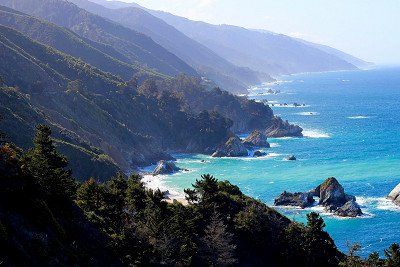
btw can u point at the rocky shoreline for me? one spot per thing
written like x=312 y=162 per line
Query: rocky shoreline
x=331 y=196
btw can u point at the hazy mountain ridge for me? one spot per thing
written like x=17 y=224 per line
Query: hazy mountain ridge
x=69 y=42
x=205 y=61
x=271 y=53
x=136 y=47
x=260 y=50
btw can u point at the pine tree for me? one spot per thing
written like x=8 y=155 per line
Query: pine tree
x=219 y=249
x=48 y=167
x=392 y=256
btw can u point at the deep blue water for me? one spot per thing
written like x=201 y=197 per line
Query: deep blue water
x=352 y=127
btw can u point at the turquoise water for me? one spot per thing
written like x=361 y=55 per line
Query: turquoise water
x=351 y=122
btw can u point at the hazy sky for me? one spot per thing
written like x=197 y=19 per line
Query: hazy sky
x=369 y=29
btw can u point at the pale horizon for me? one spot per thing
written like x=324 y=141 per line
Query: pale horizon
x=365 y=29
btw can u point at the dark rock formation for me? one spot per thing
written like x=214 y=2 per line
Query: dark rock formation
x=394 y=195
x=299 y=199
x=331 y=196
x=349 y=209
x=280 y=128
x=291 y=157
x=256 y=139
x=258 y=153
x=165 y=167
x=232 y=148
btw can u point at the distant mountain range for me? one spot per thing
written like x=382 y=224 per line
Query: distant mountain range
x=259 y=50
x=133 y=47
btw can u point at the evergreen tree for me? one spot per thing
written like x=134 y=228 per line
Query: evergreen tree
x=48 y=167
x=219 y=248
x=392 y=256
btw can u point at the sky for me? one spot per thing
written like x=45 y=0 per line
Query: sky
x=368 y=29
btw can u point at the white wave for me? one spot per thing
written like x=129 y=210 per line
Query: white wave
x=380 y=203
x=273 y=155
x=315 y=134
x=159 y=182
x=272 y=145
x=289 y=106
x=359 y=117
x=308 y=113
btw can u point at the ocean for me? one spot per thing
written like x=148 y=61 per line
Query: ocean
x=351 y=122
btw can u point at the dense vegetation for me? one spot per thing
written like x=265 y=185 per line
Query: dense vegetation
x=46 y=218
x=107 y=119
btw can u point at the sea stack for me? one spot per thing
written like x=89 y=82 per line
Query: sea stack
x=331 y=196
x=280 y=128
x=232 y=148
x=256 y=139
x=394 y=195
x=165 y=167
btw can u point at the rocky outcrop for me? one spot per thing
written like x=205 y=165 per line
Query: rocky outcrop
x=165 y=167
x=331 y=196
x=280 y=128
x=394 y=195
x=349 y=209
x=298 y=199
x=291 y=157
x=232 y=148
x=256 y=139
x=258 y=153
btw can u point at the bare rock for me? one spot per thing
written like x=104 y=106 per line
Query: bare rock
x=394 y=195
x=291 y=157
x=256 y=139
x=280 y=128
x=232 y=148
x=165 y=167
x=298 y=199
x=349 y=209
x=258 y=153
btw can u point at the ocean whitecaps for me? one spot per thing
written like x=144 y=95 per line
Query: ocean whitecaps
x=272 y=145
x=315 y=134
x=358 y=117
x=289 y=106
x=380 y=203
x=307 y=113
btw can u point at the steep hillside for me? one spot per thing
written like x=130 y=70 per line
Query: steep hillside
x=270 y=53
x=359 y=63
x=205 y=61
x=96 y=54
x=18 y=121
x=135 y=47
x=260 y=50
x=101 y=109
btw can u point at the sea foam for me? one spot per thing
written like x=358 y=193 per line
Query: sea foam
x=307 y=113
x=359 y=117
x=315 y=134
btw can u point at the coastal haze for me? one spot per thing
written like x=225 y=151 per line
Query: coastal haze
x=113 y=112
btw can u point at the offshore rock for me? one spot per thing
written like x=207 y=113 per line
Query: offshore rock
x=394 y=195
x=232 y=148
x=258 y=153
x=165 y=167
x=291 y=157
x=331 y=196
x=280 y=128
x=256 y=139
x=349 y=209
x=298 y=199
